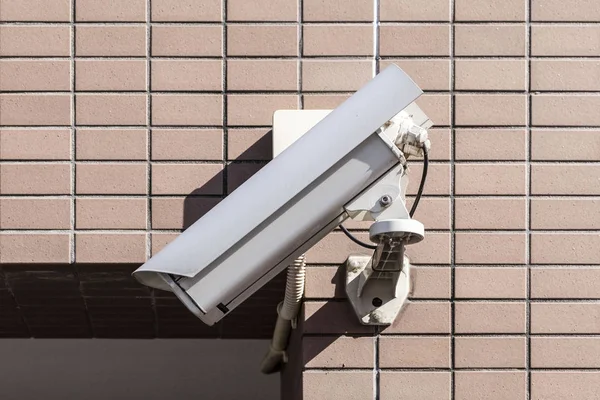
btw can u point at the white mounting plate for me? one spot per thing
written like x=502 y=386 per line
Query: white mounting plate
x=392 y=297
x=290 y=125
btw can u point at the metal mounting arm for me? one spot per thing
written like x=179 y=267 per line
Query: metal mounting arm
x=378 y=285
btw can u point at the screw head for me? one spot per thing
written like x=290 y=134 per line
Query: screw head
x=385 y=200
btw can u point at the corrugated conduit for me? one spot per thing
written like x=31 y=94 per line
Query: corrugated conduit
x=287 y=312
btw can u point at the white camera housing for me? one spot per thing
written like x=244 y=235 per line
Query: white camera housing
x=288 y=206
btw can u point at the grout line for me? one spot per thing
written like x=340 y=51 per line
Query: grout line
x=225 y=136
x=300 y=53
x=432 y=231
x=248 y=92
x=149 y=135
x=440 y=369
x=376 y=24
x=470 y=57
x=473 y=335
x=580 y=23
x=149 y=155
x=193 y=127
x=224 y=52
x=73 y=149
x=528 y=144
x=438 y=162
x=547 y=230
x=452 y=203
x=74 y=166
x=376 y=344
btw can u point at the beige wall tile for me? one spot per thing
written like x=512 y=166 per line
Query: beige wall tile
x=249 y=144
x=429 y=74
x=497 y=75
x=187 y=109
x=490 y=40
x=422 y=318
x=335 y=75
x=111 y=144
x=419 y=10
x=490 y=283
x=342 y=40
x=112 y=10
x=111 y=178
x=342 y=352
x=187 y=144
x=557 y=318
x=349 y=385
x=565 y=282
x=490 y=248
x=490 y=10
x=415 y=385
x=490 y=213
x=490 y=179
x=492 y=385
x=34 y=248
x=490 y=352
x=110 y=248
x=262 y=75
x=187 y=75
x=565 y=110
x=565 y=352
x=491 y=109
x=430 y=282
x=560 y=179
x=262 y=10
x=35 y=144
x=414 y=352
x=414 y=40
x=337 y=10
x=121 y=75
x=111 y=109
x=34 y=40
x=557 y=144
x=565 y=40
x=565 y=213
x=22 y=213
x=110 y=213
x=36 y=10
x=187 y=40
x=565 y=10
x=35 y=179
x=556 y=385
x=490 y=144
x=567 y=75
x=256 y=109
x=35 y=109
x=33 y=75
x=184 y=179
x=262 y=40
x=179 y=212
x=565 y=248
x=187 y=11
x=490 y=317
x=110 y=41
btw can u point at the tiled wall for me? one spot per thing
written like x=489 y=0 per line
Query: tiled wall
x=123 y=121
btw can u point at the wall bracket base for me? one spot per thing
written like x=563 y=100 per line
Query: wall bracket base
x=377 y=297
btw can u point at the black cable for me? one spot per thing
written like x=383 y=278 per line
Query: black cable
x=422 y=184
x=412 y=209
x=357 y=241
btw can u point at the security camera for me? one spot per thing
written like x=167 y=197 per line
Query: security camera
x=350 y=164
